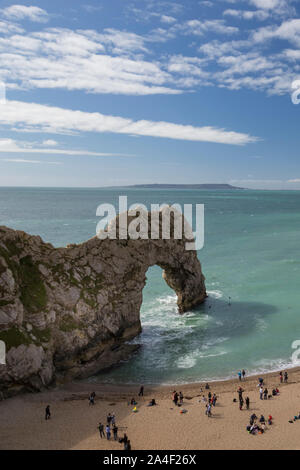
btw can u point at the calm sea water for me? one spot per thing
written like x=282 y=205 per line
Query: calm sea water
x=251 y=254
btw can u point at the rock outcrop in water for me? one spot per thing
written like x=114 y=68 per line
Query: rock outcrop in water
x=68 y=312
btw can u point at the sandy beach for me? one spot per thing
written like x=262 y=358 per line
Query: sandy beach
x=73 y=424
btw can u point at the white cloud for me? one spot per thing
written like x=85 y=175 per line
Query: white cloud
x=13 y=146
x=7 y=28
x=167 y=19
x=20 y=12
x=75 y=60
x=198 y=27
x=37 y=117
x=260 y=15
x=23 y=160
x=49 y=143
x=278 y=5
x=289 y=30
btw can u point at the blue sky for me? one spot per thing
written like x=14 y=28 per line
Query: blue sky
x=122 y=92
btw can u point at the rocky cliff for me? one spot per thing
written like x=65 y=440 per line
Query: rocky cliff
x=67 y=312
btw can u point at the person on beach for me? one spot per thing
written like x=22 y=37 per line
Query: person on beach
x=241 y=403
x=262 y=419
x=152 y=402
x=107 y=429
x=101 y=430
x=175 y=398
x=47 y=413
x=247 y=403
x=285 y=377
x=261 y=392
x=281 y=377
x=240 y=375
x=124 y=439
x=113 y=419
x=91 y=399
x=208 y=410
x=206 y=386
x=253 y=418
x=133 y=402
x=214 y=399
x=240 y=392
x=266 y=394
x=108 y=419
x=127 y=445
x=270 y=420
x=115 y=432
x=180 y=398
x=141 y=392
x=243 y=373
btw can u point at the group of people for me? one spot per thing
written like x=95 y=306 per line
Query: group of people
x=177 y=398
x=210 y=401
x=112 y=428
x=283 y=377
x=241 y=374
x=258 y=426
x=240 y=392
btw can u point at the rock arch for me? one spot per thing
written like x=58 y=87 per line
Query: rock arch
x=67 y=312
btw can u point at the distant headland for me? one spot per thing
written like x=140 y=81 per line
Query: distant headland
x=184 y=186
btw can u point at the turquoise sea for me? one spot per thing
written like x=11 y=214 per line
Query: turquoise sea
x=251 y=254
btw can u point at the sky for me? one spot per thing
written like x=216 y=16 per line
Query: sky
x=121 y=92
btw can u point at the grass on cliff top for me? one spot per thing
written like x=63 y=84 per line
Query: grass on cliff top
x=33 y=292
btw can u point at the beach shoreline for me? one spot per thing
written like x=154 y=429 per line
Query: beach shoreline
x=73 y=424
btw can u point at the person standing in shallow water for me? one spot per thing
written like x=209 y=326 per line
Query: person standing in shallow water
x=243 y=373
x=47 y=413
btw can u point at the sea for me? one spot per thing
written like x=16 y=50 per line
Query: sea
x=251 y=261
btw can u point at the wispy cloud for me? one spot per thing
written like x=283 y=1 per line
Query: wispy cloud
x=114 y=61
x=23 y=160
x=21 y=12
x=41 y=118
x=13 y=146
x=75 y=60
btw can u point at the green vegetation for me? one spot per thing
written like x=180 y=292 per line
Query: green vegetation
x=69 y=324
x=33 y=291
x=14 y=338
x=3 y=303
x=42 y=336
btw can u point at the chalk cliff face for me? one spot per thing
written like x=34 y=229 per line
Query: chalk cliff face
x=67 y=312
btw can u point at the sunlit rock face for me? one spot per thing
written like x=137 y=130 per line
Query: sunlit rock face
x=68 y=312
